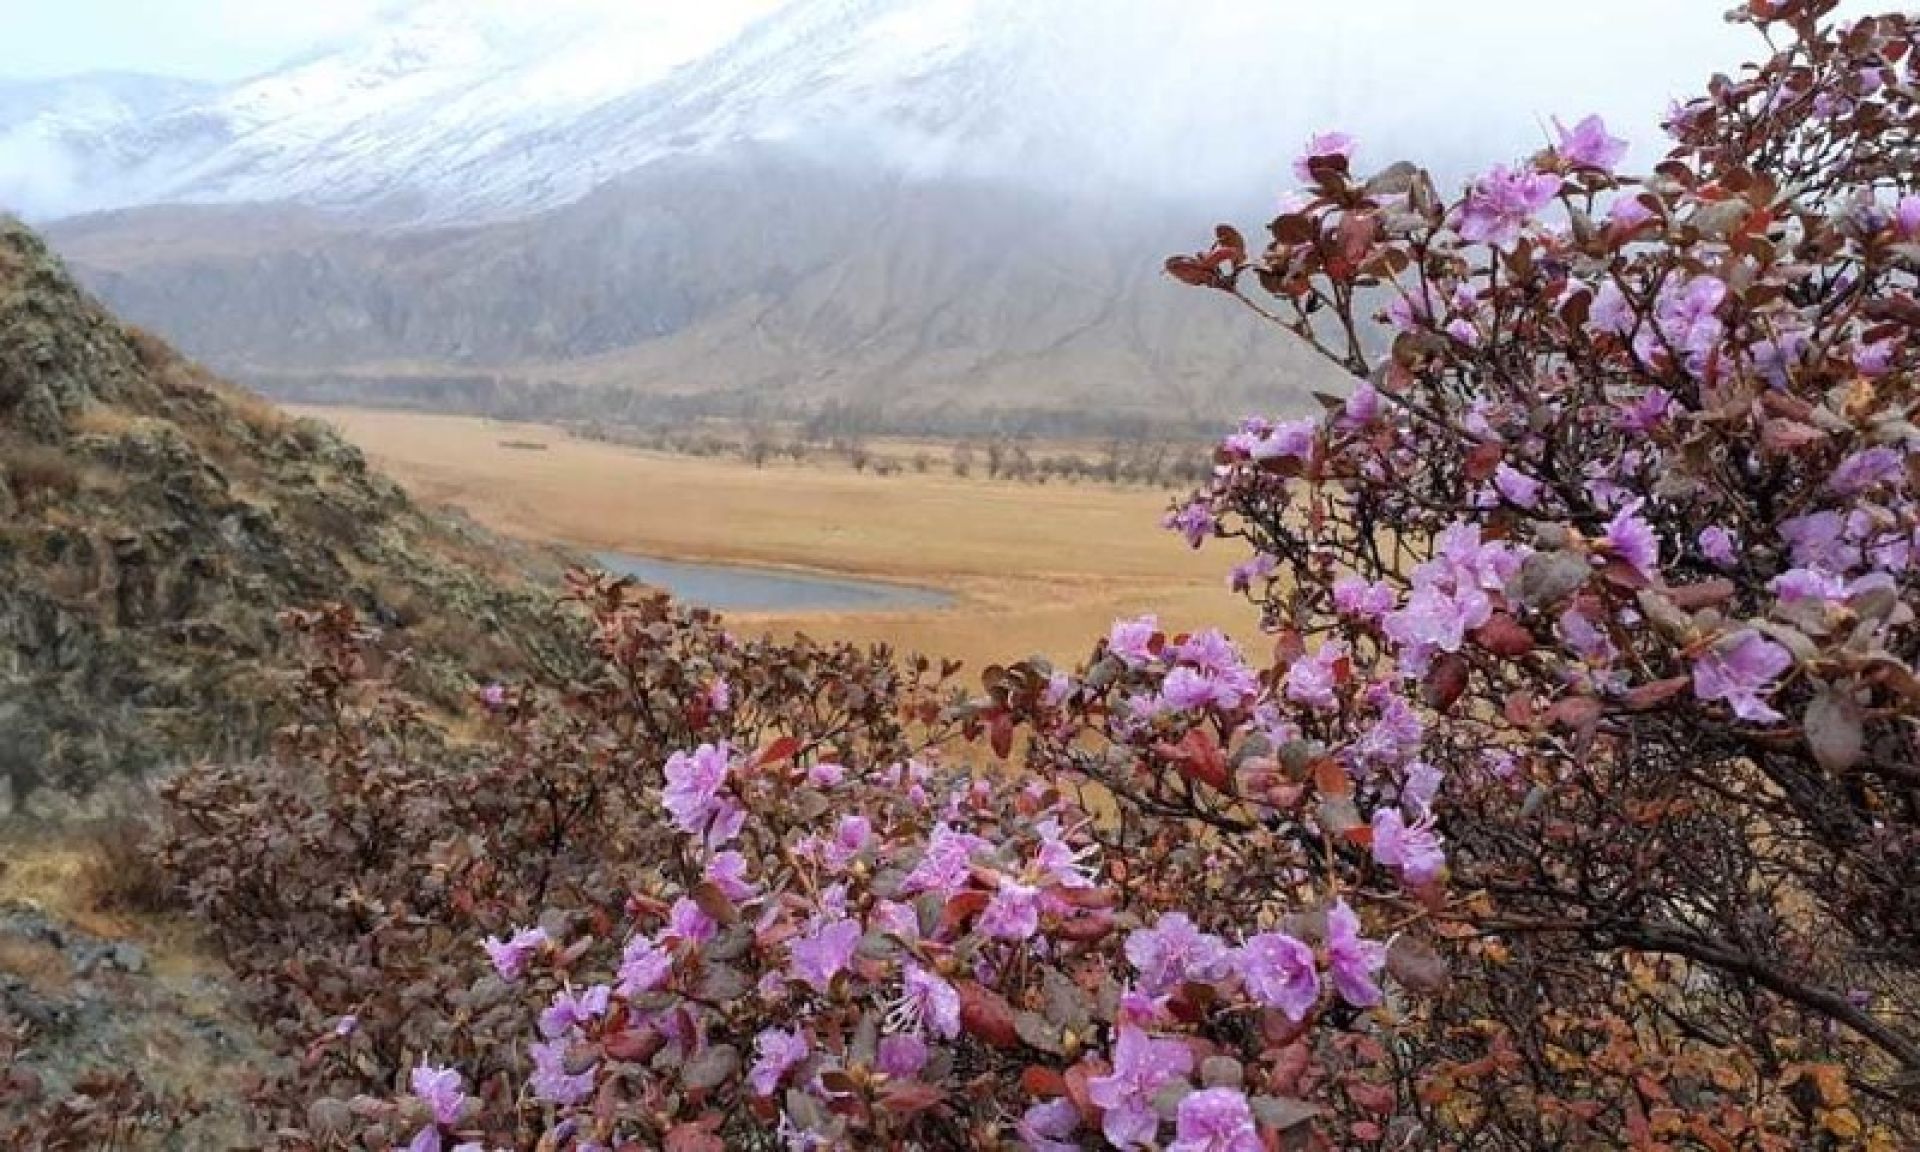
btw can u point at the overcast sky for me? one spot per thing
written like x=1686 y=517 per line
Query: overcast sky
x=228 y=39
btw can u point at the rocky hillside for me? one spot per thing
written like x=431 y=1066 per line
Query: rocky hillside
x=153 y=523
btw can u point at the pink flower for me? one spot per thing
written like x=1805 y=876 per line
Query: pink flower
x=1352 y=960
x=1422 y=785
x=1190 y=690
x=1906 y=217
x=1585 y=639
x=1431 y=620
x=1628 y=212
x=902 y=1057
x=1411 y=850
x=1501 y=204
x=1463 y=332
x=849 y=840
x=719 y=696
x=1141 y=1067
x=1353 y=596
x=1798 y=584
x=1313 y=679
x=1866 y=469
x=1632 y=539
x=693 y=787
x=1589 y=145
x=644 y=967
x=1174 y=952
x=1049 y=1126
x=1013 y=913
x=776 y=1054
x=551 y=1080
x=727 y=871
x=1717 y=545
x=1193 y=520
x=928 y=1001
x=947 y=866
x=1279 y=972
x=825 y=775
x=1362 y=406
x=687 y=921
x=494 y=696
x=1324 y=147
x=824 y=953
x=1740 y=670
x=1129 y=639
x=1516 y=487
x=439 y=1089
x=1249 y=572
x=1394 y=738
x=1215 y=1120
x=510 y=957
x=571 y=1010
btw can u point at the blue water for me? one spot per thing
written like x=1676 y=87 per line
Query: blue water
x=731 y=589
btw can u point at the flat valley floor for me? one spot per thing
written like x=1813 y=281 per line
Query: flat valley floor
x=1034 y=569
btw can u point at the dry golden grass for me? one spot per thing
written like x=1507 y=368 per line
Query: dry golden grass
x=1037 y=570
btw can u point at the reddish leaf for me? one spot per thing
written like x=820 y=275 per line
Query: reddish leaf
x=1641 y=697
x=1198 y=757
x=908 y=1097
x=960 y=910
x=1692 y=597
x=784 y=748
x=1446 y=682
x=986 y=1015
x=1000 y=734
x=1042 y=1082
x=1504 y=636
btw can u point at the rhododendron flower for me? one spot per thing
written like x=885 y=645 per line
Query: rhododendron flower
x=824 y=953
x=1194 y=521
x=1215 y=1120
x=1463 y=332
x=1313 y=679
x=1412 y=851
x=494 y=696
x=688 y=921
x=1322 y=146
x=1422 y=785
x=1363 y=405
x=1059 y=689
x=903 y=1056
x=570 y=1010
x=1516 y=487
x=1129 y=639
x=928 y=1001
x=719 y=696
x=1353 y=961
x=644 y=967
x=1589 y=144
x=1190 y=690
x=693 y=786
x=1247 y=573
x=1174 y=952
x=1502 y=203
x=727 y=871
x=1866 y=469
x=1798 y=584
x=439 y=1088
x=826 y=774
x=1279 y=972
x=776 y=1054
x=551 y=1080
x=1740 y=670
x=1431 y=621
x=1060 y=862
x=947 y=866
x=1013 y=913
x=1875 y=359
x=1688 y=317
x=1611 y=311
x=1049 y=1126
x=1628 y=212
x=510 y=957
x=1353 y=596
x=1585 y=639
x=1718 y=546
x=849 y=840
x=1393 y=739
x=1141 y=1066
x=1632 y=539
x=1906 y=217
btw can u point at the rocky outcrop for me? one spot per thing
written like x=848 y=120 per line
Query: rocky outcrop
x=154 y=521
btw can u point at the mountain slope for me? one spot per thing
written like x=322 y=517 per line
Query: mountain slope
x=689 y=281
x=154 y=521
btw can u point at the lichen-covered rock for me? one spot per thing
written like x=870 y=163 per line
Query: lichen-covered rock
x=154 y=521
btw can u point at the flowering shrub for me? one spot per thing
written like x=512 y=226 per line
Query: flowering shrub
x=1573 y=807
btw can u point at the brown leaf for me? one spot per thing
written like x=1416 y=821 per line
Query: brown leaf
x=1835 y=730
x=1504 y=636
x=1446 y=682
x=1641 y=697
x=1416 y=965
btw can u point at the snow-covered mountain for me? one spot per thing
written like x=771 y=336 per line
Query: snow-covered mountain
x=813 y=199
